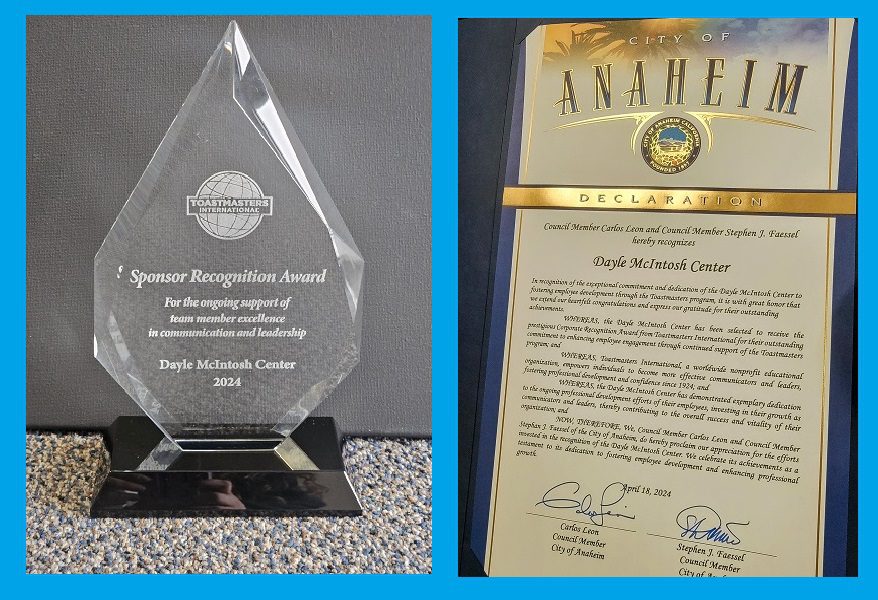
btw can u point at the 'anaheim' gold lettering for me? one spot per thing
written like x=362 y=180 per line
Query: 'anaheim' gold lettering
x=568 y=95
x=784 y=96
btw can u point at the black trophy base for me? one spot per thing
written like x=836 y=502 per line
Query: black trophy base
x=232 y=481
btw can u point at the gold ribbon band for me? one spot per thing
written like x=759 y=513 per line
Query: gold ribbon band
x=735 y=201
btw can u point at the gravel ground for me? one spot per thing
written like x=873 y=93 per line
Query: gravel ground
x=392 y=478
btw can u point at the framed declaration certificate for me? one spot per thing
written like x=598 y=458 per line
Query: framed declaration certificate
x=668 y=382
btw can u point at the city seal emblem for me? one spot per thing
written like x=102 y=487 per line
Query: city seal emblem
x=229 y=205
x=670 y=145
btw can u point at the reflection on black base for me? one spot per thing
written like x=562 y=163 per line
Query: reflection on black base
x=252 y=482
x=233 y=493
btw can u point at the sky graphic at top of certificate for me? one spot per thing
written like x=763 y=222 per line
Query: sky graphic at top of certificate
x=766 y=96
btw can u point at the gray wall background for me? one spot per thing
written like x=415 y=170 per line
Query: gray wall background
x=102 y=91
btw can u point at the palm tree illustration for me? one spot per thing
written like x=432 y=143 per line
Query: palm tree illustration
x=610 y=39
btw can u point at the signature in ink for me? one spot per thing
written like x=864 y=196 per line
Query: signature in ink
x=704 y=524
x=564 y=496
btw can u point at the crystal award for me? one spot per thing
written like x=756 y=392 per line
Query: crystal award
x=228 y=305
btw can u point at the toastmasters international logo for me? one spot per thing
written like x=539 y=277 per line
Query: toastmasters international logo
x=229 y=205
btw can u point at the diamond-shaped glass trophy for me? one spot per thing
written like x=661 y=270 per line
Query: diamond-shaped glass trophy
x=228 y=304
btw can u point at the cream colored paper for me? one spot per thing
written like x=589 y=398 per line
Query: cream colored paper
x=619 y=393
